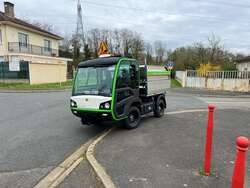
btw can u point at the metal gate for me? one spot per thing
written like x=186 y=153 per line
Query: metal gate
x=6 y=74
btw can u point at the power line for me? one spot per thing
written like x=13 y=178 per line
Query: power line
x=152 y=28
x=223 y=3
x=210 y=18
x=162 y=12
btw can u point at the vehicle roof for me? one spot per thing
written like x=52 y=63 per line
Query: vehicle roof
x=100 y=61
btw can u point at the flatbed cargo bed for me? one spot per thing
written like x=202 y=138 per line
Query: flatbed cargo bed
x=158 y=85
x=153 y=82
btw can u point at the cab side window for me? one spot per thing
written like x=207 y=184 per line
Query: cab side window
x=134 y=76
x=123 y=79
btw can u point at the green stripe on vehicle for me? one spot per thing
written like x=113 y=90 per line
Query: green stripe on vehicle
x=113 y=88
x=90 y=110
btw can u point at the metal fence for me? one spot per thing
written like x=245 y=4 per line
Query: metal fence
x=220 y=74
x=5 y=73
x=31 y=49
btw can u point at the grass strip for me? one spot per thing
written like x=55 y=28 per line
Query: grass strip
x=27 y=86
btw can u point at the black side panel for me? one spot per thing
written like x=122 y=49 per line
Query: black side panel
x=147 y=108
x=125 y=97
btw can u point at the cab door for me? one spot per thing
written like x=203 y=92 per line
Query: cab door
x=127 y=87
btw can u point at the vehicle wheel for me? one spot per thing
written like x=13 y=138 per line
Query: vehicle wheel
x=133 y=119
x=159 y=110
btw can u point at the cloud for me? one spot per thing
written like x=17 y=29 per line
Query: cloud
x=177 y=23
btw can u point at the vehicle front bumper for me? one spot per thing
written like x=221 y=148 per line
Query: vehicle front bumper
x=93 y=115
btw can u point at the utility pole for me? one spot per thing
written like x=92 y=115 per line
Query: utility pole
x=79 y=37
x=79 y=30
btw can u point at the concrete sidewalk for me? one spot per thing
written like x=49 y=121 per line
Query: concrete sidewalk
x=208 y=93
x=82 y=177
x=169 y=152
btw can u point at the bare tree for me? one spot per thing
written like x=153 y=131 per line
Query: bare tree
x=137 y=46
x=43 y=25
x=149 y=52
x=117 y=41
x=159 y=52
x=66 y=43
x=215 y=48
x=126 y=37
x=94 y=39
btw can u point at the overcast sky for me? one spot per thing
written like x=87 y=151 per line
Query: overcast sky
x=175 y=22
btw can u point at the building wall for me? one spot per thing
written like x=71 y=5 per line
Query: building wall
x=10 y=34
x=243 y=66
x=181 y=77
x=42 y=69
x=47 y=73
x=218 y=80
x=3 y=44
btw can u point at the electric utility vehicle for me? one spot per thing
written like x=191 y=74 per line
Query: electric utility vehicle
x=118 y=89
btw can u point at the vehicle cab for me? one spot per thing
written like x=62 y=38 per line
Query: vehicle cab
x=104 y=88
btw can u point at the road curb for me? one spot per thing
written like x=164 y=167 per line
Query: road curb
x=246 y=95
x=97 y=167
x=59 y=173
x=33 y=91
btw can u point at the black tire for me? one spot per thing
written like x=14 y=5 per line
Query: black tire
x=133 y=119
x=160 y=108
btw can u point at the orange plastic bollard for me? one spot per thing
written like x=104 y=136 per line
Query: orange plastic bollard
x=239 y=165
x=209 y=139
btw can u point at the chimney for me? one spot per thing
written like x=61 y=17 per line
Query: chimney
x=9 y=9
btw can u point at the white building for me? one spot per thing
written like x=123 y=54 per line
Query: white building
x=243 y=64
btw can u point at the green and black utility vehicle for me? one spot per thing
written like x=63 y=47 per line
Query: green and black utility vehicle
x=117 y=89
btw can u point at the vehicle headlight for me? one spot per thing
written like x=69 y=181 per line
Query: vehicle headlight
x=106 y=105
x=73 y=104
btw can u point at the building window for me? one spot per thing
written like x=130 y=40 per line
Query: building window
x=23 y=39
x=47 y=45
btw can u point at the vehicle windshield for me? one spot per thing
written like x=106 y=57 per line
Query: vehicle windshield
x=94 y=81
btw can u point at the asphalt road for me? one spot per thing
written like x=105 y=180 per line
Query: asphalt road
x=183 y=100
x=169 y=151
x=37 y=132
x=177 y=101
